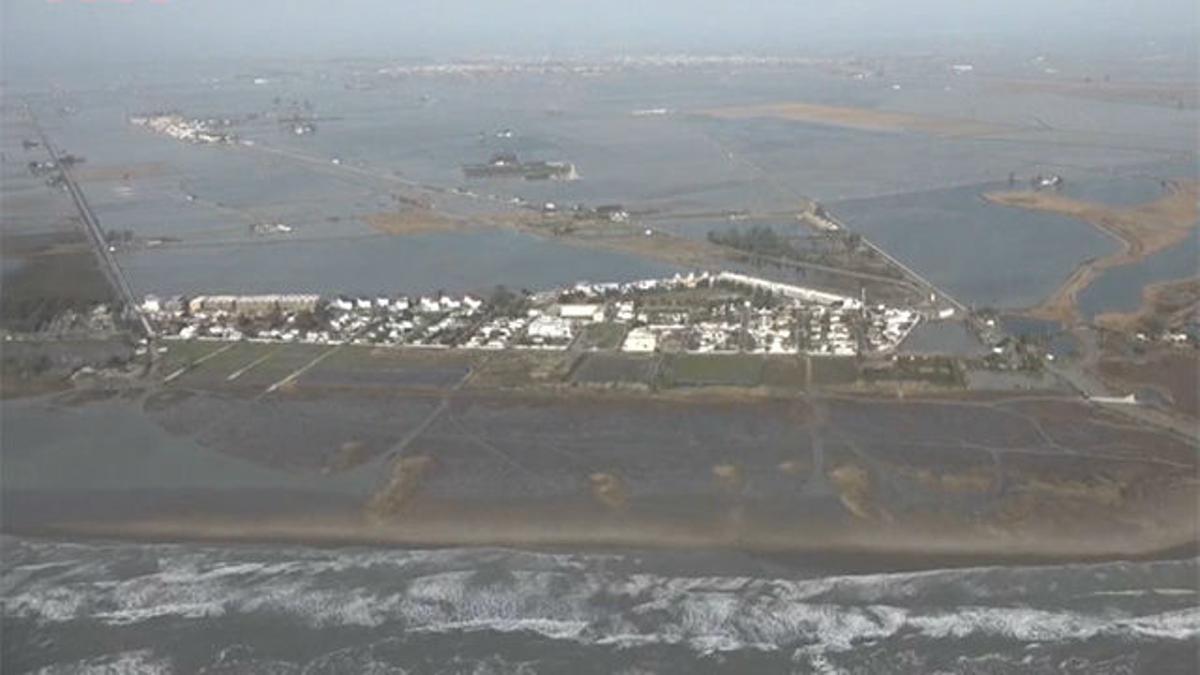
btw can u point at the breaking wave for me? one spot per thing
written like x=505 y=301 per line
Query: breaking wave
x=590 y=600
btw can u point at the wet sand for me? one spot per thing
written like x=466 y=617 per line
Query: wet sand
x=321 y=520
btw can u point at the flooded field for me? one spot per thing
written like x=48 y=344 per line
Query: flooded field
x=983 y=254
x=242 y=431
x=456 y=262
x=407 y=137
x=677 y=513
x=1120 y=289
x=943 y=337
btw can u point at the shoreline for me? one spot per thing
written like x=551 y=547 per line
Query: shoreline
x=1151 y=301
x=1143 y=230
x=844 y=559
x=325 y=520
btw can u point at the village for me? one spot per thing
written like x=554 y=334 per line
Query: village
x=186 y=129
x=702 y=312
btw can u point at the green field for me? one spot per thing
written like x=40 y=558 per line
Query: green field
x=253 y=365
x=214 y=366
x=182 y=353
x=372 y=357
x=936 y=370
x=512 y=369
x=734 y=370
x=606 y=336
x=834 y=370
x=787 y=372
x=614 y=369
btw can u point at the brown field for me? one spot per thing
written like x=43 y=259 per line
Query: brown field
x=413 y=221
x=858 y=118
x=1143 y=230
x=1171 y=371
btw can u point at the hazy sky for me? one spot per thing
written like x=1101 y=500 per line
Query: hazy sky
x=66 y=31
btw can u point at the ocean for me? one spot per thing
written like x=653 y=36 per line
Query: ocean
x=164 y=608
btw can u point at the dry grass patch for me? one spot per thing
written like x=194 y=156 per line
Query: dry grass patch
x=413 y=221
x=858 y=118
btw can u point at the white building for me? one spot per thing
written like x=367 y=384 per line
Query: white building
x=587 y=312
x=549 y=328
x=640 y=340
x=790 y=291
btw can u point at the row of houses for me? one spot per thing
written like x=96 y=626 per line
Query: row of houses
x=726 y=315
x=247 y=305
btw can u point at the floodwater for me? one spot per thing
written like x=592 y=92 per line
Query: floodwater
x=1115 y=190
x=951 y=338
x=407 y=130
x=1120 y=289
x=78 y=606
x=50 y=445
x=984 y=255
x=454 y=262
x=1052 y=336
x=162 y=607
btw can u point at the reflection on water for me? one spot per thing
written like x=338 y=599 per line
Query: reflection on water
x=1120 y=288
x=1117 y=190
x=454 y=262
x=1049 y=334
x=113 y=446
x=985 y=255
x=943 y=337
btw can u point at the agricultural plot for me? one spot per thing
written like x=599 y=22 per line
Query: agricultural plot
x=733 y=370
x=615 y=369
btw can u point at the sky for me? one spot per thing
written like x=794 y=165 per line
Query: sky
x=62 y=32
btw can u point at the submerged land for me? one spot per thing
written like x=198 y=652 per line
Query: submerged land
x=859 y=118
x=442 y=448
x=257 y=327
x=1142 y=229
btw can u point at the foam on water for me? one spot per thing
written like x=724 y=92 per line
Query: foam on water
x=142 y=662
x=574 y=598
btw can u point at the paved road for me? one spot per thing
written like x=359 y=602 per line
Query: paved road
x=96 y=235
x=910 y=272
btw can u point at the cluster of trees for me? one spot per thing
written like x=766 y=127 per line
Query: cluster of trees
x=760 y=240
x=305 y=320
x=33 y=314
x=504 y=302
x=761 y=298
